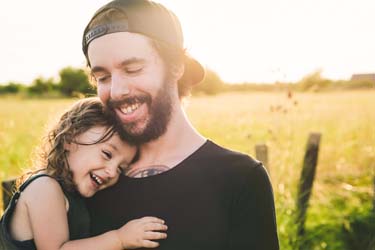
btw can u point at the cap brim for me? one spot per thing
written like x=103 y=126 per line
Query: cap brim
x=194 y=71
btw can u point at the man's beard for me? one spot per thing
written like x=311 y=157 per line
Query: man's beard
x=159 y=115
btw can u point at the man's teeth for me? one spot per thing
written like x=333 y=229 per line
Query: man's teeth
x=97 y=179
x=127 y=109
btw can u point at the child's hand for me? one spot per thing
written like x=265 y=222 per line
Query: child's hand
x=140 y=233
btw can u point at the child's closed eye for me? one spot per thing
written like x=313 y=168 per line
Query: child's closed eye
x=107 y=155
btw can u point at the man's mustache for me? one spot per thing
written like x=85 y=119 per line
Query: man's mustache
x=113 y=104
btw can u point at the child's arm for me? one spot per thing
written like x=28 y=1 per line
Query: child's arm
x=47 y=213
x=134 y=234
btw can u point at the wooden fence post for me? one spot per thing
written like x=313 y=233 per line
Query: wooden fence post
x=306 y=180
x=261 y=153
x=7 y=190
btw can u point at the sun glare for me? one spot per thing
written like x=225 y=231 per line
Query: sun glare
x=243 y=41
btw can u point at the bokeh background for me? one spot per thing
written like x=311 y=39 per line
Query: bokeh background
x=276 y=72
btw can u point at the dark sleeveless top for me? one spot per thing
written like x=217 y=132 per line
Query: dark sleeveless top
x=78 y=219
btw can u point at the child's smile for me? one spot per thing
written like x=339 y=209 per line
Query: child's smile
x=96 y=166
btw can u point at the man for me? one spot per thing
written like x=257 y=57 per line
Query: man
x=209 y=197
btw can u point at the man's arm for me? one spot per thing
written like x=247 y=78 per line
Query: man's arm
x=253 y=224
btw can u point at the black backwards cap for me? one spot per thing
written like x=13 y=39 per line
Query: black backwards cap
x=147 y=18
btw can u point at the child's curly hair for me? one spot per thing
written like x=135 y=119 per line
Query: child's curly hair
x=82 y=116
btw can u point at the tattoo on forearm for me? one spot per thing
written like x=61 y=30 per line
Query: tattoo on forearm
x=146 y=171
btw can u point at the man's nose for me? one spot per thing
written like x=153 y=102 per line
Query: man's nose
x=119 y=87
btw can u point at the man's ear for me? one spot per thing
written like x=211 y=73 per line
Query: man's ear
x=178 y=71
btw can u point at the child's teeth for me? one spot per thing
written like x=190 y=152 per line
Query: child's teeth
x=97 y=179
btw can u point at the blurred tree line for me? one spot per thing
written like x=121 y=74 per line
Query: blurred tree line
x=75 y=82
x=313 y=82
x=72 y=82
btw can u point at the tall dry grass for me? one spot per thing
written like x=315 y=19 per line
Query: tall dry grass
x=238 y=121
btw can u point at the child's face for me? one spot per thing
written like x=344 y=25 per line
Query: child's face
x=97 y=166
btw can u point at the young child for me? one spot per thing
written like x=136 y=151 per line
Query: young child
x=85 y=154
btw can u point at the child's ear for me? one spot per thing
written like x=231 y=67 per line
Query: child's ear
x=68 y=146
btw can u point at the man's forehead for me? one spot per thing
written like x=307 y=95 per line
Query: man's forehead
x=122 y=64
x=119 y=48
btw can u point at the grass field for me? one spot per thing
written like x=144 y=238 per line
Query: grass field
x=345 y=170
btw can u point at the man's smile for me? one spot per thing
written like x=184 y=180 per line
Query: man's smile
x=129 y=108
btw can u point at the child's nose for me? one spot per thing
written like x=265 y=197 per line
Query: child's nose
x=111 y=171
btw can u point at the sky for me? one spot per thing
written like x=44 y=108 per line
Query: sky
x=241 y=40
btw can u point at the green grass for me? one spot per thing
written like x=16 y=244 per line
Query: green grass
x=22 y=124
x=343 y=185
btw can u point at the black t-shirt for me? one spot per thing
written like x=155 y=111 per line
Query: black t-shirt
x=214 y=199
